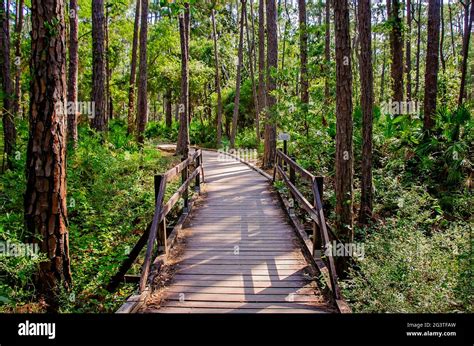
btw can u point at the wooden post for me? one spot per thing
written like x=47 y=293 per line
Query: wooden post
x=317 y=238
x=198 y=177
x=320 y=182
x=157 y=180
x=161 y=238
x=184 y=177
x=293 y=180
x=285 y=151
x=277 y=160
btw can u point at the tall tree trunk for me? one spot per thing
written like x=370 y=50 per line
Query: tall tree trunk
x=107 y=65
x=45 y=197
x=285 y=35
x=469 y=15
x=432 y=63
x=73 y=72
x=99 y=120
x=408 y=50
x=182 y=147
x=168 y=109
x=251 y=44
x=252 y=22
x=366 y=101
x=396 y=49
x=218 y=79
x=262 y=103
x=382 y=76
x=272 y=65
x=303 y=54
x=344 y=151
x=133 y=73
x=327 y=52
x=451 y=29
x=142 y=107
x=9 y=131
x=441 y=43
x=18 y=58
x=235 y=115
x=418 y=49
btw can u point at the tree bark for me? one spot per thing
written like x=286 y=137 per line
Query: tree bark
x=451 y=30
x=133 y=72
x=9 y=130
x=45 y=197
x=272 y=65
x=240 y=57
x=251 y=44
x=73 y=72
x=261 y=58
x=327 y=52
x=18 y=58
x=418 y=48
x=168 y=109
x=252 y=22
x=344 y=151
x=218 y=79
x=182 y=147
x=408 y=50
x=303 y=53
x=468 y=18
x=441 y=42
x=142 y=106
x=396 y=49
x=108 y=72
x=432 y=64
x=99 y=120
x=366 y=101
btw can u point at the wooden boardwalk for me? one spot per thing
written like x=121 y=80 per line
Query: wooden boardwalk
x=241 y=254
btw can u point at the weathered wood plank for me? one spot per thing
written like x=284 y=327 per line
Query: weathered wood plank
x=250 y=298
x=242 y=290
x=240 y=283
x=183 y=310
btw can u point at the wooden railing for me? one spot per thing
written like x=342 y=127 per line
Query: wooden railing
x=322 y=236
x=156 y=232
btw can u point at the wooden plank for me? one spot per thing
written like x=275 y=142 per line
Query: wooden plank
x=249 y=305
x=240 y=266
x=240 y=261
x=251 y=298
x=231 y=271
x=240 y=283
x=238 y=277
x=183 y=310
x=242 y=255
x=242 y=290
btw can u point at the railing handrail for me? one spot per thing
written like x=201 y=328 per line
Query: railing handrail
x=162 y=210
x=314 y=210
